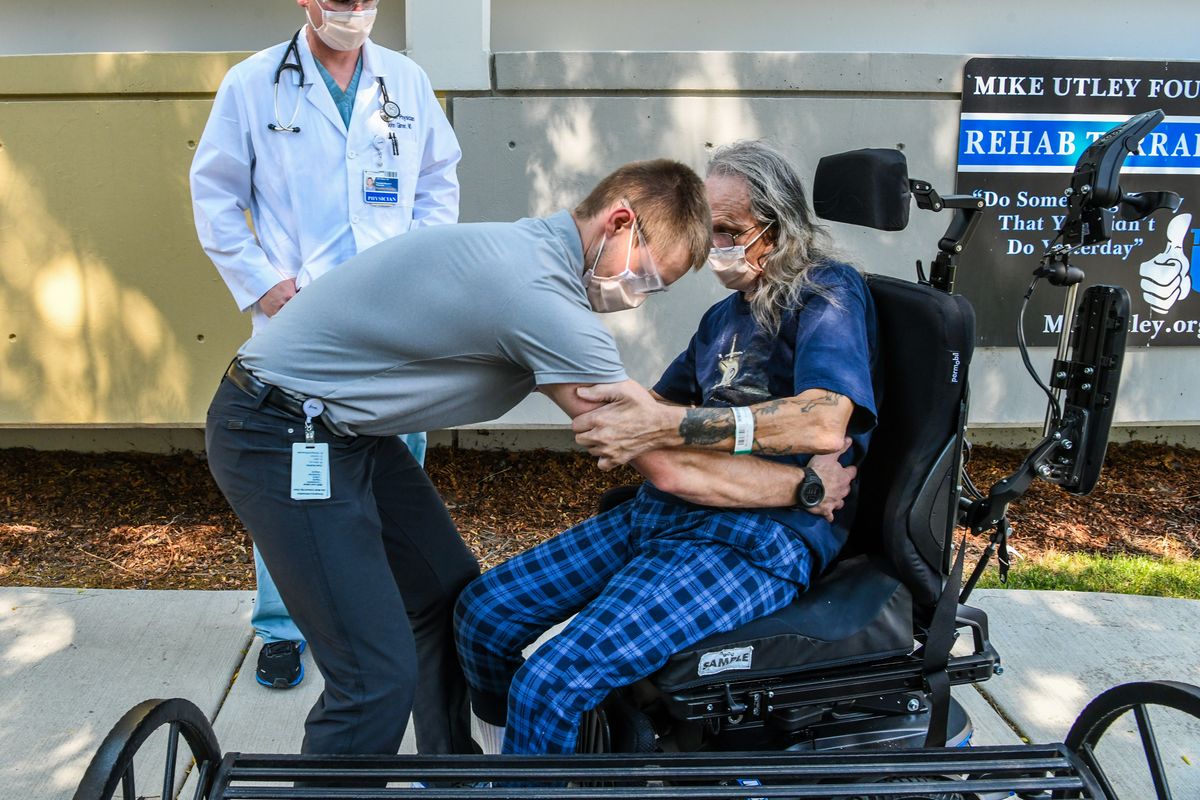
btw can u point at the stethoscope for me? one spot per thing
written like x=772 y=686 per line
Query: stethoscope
x=292 y=48
x=389 y=109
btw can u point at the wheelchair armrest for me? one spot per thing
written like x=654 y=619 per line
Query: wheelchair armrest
x=977 y=621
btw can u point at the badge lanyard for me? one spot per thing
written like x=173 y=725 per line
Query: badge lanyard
x=310 y=459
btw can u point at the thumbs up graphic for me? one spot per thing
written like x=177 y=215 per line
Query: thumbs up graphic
x=1166 y=278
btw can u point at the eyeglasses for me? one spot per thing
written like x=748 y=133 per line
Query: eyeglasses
x=642 y=276
x=723 y=239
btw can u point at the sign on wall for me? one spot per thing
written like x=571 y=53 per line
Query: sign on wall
x=1024 y=124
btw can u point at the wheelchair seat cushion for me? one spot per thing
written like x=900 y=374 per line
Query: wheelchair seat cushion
x=857 y=612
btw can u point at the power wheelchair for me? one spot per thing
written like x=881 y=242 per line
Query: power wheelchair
x=846 y=692
x=863 y=658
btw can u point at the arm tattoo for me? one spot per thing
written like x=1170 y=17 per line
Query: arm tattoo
x=706 y=425
x=768 y=408
x=768 y=449
x=830 y=399
x=773 y=407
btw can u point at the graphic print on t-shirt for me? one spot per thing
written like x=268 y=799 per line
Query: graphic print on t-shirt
x=740 y=375
x=728 y=364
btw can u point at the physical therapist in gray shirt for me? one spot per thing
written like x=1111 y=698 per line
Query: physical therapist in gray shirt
x=443 y=326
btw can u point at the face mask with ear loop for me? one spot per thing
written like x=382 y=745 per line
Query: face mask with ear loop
x=345 y=30
x=629 y=289
x=732 y=268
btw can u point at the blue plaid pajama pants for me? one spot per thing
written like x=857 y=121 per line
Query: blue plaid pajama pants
x=644 y=580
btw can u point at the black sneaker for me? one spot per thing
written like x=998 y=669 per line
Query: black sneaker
x=279 y=665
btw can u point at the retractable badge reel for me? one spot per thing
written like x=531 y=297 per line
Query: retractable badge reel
x=310 y=459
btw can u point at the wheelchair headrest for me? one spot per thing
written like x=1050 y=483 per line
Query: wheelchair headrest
x=863 y=187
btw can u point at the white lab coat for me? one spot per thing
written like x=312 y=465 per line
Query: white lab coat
x=304 y=190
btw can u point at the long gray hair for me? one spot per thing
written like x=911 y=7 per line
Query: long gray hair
x=800 y=243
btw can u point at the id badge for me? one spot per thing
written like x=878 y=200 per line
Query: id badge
x=381 y=188
x=310 y=471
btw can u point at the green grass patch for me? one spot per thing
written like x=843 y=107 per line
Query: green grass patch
x=1081 y=572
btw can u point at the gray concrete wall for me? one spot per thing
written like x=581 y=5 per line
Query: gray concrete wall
x=1157 y=29
x=1101 y=28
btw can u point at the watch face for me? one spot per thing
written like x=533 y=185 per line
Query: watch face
x=811 y=494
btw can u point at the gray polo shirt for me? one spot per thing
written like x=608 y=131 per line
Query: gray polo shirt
x=442 y=326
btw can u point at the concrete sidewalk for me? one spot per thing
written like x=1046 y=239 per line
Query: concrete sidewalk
x=73 y=661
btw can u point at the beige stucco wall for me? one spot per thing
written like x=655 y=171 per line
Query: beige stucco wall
x=109 y=311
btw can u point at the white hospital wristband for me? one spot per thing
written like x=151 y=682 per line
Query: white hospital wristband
x=743 y=437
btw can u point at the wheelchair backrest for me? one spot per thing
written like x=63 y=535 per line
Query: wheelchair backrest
x=908 y=484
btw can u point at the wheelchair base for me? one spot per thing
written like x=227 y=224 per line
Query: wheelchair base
x=837 y=730
x=907 y=731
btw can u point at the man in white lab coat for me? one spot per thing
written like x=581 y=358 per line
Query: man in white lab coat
x=332 y=144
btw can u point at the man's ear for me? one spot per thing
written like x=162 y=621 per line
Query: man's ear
x=618 y=218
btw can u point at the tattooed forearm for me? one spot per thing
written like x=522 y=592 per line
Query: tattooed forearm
x=702 y=427
x=706 y=425
x=830 y=399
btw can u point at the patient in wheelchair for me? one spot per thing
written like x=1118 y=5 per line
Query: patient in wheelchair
x=781 y=369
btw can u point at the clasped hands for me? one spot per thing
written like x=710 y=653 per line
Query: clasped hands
x=629 y=422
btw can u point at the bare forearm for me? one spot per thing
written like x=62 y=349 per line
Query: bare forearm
x=720 y=479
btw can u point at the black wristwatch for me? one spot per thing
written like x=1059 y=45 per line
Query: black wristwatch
x=809 y=491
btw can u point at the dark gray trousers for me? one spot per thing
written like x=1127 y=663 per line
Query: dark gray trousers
x=369 y=575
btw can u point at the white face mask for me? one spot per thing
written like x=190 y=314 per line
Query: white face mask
x=732 y=268
x=629 y=289
x=611 y=293
x=345 y=30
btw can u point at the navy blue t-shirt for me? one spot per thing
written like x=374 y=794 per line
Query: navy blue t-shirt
x=731 y=361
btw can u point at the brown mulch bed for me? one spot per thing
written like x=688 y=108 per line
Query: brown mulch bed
x=158 y=521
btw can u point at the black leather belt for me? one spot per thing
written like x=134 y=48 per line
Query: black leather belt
x=275 y=397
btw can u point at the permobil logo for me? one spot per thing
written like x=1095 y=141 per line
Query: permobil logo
x=955 y=363
x=724 y=660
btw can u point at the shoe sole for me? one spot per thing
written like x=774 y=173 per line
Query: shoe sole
x=282 y=684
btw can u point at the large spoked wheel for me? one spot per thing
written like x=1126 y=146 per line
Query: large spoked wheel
x=1087 y=734
x=112 y=766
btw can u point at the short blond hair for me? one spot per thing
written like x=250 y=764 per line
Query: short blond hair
x=670 y=203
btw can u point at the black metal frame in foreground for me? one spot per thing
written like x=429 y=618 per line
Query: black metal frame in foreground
x=936 y=772
x=1068 y=771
